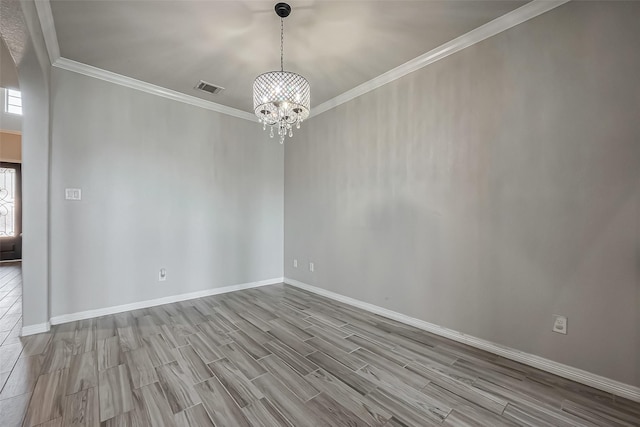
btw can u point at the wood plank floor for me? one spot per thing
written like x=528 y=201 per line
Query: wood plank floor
x=272 y=356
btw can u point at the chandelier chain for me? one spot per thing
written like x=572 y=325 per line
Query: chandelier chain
x=281 y=44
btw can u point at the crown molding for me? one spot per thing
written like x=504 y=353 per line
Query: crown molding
x=119 y=79
x=45 y=16
x=498 y=25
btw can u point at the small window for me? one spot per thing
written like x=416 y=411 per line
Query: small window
x=13 y=102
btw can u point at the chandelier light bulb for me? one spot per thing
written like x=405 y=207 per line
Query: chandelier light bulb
x=281 y=98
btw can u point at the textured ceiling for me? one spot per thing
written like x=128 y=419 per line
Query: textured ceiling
x=335 y=45
x=12 y=44
x=8 y=72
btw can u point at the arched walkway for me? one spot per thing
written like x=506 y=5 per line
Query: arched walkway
x=21 y=32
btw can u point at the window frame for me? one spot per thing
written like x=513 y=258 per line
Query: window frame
x=12 y=94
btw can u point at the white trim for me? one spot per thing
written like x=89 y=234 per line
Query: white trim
x=89 y=314
x=596 y=381
x=45 y=16
x=119 y=79
x=498 y=25
x=35 y=329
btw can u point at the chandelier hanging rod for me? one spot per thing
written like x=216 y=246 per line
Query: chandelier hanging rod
x=282 y=10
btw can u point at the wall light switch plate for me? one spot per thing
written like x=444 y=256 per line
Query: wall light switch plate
x=72 y=194
x=295 y=263
x=162 y=275
x=560 y=324
x=311 y=267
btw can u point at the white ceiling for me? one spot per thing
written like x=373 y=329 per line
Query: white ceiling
x=336 y=45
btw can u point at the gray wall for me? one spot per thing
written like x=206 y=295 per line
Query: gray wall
x=20 y=29
x=489 y=191
x=164 y=185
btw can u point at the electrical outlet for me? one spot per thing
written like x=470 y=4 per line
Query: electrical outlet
x=311 y=267
x=162 y=275
x=73 y=194
x=295 y=263
x=560 y=324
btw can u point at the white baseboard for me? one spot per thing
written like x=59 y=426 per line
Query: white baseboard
x=89 y=314
x=35 y=329
x=578 y=375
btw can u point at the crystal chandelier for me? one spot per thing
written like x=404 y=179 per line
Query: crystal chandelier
x=281 y=99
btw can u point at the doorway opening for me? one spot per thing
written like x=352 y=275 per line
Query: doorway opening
x=10 y=201
x=10 y=172
x=10 y=211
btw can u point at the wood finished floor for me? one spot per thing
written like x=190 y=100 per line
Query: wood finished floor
x=272 y=356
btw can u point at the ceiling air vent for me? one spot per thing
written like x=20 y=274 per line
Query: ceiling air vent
x=208 y=87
